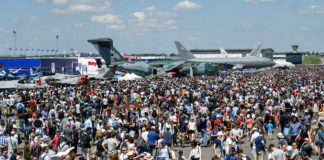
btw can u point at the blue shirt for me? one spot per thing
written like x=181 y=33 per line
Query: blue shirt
x=3 y=140
x=294 y=129
x=152 y=137
x=258 y=144
x=269 y=126
x=320 y=136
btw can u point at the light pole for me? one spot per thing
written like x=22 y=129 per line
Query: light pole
x=14 y=32
x=57 y=36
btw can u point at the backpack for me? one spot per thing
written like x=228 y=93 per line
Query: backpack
x=61 y=114
x=51 y=124
x=20 y=107
x=99 y=145
x=114 y=124
x=140 y=143
x=199 y=125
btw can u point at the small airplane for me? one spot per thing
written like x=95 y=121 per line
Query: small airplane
x=9 y=75
x=24 y=83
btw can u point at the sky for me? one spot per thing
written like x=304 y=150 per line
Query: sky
x=152 y=26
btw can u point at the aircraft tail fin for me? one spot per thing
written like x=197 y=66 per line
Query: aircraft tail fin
x=107 y=50
x=99 y=63
x=183 y=52
x=257 y=50
x=223 y=52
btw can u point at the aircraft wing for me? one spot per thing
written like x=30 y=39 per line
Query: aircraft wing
x=171 y=66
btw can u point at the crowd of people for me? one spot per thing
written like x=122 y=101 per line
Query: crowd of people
x=158 y=118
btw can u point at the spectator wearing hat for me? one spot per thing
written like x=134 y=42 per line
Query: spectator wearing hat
x=192 y=127
x=167 y=136
x=270 y=129
x=164 y=150
x=307 y=148
x=282 y=142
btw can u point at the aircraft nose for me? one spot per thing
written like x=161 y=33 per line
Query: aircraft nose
x=273 y=63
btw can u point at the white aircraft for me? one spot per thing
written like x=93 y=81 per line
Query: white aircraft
x=283 y=64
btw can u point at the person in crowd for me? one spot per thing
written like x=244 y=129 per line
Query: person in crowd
x=195 y=153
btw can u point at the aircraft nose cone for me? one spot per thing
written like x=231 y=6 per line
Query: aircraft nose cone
x=273 y=63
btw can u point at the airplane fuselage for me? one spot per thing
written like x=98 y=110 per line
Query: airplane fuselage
x=246 y=62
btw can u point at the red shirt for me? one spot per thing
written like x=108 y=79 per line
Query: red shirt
x=55 y=142
x=217 y=122
x=32 y=104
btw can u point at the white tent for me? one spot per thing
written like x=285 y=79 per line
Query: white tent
x=130 y=76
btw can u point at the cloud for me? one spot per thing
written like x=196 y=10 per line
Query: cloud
x=314 y=9
x=304 y=29
x=57 y=11
x=194 y=39
x=246 y=25
x=166 y=14
x=108 y=18
x=257 y=1
x=55 y=30
x=3 y=30
x=150 y=8
x=60 y=1
x=169 y=22
x=79 y=25
x=81 y=8
x=152 y=20
x=33 y=18
x=115 y=27
x=41 y=1
x=140 y=15
x=76 y=6
x=173 y=27
x=186 y=5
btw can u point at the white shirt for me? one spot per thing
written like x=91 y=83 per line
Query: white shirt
x=227 y=143
x=123 y=156
x=88 y=123
x=192 y=125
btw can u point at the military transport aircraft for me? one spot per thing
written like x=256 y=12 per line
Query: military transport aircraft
x=253 y=60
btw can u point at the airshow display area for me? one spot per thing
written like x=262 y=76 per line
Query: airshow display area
x=82 y=65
